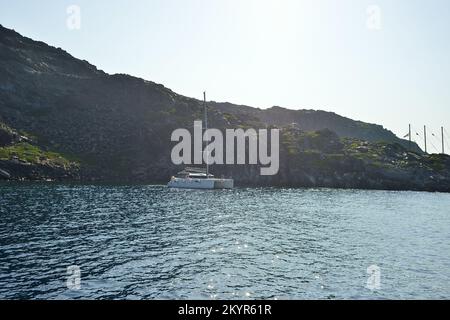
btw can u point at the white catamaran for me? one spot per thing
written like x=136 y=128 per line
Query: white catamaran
x=199 y=178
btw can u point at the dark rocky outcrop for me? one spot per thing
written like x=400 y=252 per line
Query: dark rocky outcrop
x=21 y=159
x=7 y=136
x=17 y=170
x=54 y=107
x=322 y=159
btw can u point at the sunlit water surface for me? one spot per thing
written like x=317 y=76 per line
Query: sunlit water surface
x=149 y=242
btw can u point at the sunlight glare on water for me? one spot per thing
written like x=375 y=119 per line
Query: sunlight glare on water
x=150 y=242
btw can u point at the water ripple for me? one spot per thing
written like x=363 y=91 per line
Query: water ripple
x=149 y=242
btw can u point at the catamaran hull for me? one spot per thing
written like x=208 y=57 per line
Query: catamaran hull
x=201 y=183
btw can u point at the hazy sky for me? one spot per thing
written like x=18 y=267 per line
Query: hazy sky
x=320 y=54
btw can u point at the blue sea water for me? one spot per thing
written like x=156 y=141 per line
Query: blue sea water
x=150 y=242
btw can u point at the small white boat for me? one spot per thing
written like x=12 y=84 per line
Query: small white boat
x=198 y=179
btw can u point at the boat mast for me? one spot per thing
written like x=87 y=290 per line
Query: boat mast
x=206 y=128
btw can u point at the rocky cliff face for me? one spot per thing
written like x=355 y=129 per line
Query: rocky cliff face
x=322 y=159
x=118 y=127
x=313 y=120
x=21 y=159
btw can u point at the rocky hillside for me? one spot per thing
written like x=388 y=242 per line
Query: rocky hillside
x=117 y=128
x=323 y=159
x=313 y=120
x=21 y=159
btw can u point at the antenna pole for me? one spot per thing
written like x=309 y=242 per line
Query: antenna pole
x=425 y=137
x=442 y=137
x=206 y=128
